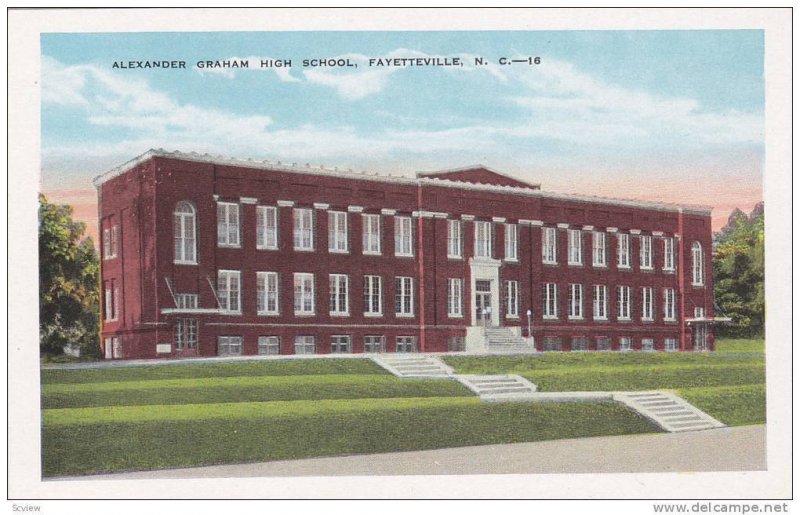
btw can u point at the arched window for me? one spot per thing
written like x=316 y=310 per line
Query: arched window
x=697 y=264
x=185 y=229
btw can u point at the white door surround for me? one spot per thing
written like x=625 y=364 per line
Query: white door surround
x=485 y=269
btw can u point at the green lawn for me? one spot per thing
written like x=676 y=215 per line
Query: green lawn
x=741 y=346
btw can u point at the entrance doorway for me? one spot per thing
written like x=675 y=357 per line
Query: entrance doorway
x=483 y=302
x=700 y=336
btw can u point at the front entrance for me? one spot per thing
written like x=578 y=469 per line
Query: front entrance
x=700 y=337
x=483 y=302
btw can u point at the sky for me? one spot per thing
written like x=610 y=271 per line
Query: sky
x=674 y=116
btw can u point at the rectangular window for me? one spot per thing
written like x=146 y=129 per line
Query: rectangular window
x=549 y=300
x=339 y=295
x=106 y=243
x=185 y=333
x=455 y=288
x=337 y=231
x=227 y=224
x=266 y=227
x=373 y=304
x=623 y=302
x=669 y=304
x=456 y=344
x=600 y=302
x=116 y=303
x=406 y=344
x=454 y=239
x=403 y=234
x=512 y=299
x=483 y=239
x=549 y=249
x=269 y=345
x=646 y=252
x=647 y=304
x=305 y=345
x=341 y=344
x=186 y=300
x=511 y=242
x=603 y=343
x=669 y=254
x=579 y=344
x=670 y=344
x=624 y=344
x=599 y=249
x=108 y=304
x=647 y=344
x=371 y=233
x=303 y=294
x=623 y=250
x=699 y=312
x=575 y=302
x=575 y=247
x=303 y=229
x=114 y=240
x=267 y=301
x=229 y=346
x=374 y=343
x=552 y=344
x=229 y=290
x=403 y=296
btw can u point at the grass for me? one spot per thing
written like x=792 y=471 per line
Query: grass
x=731 y=405
x=741 y=346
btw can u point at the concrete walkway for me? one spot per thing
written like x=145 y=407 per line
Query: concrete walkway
x=726 y=449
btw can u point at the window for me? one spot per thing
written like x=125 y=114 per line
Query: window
x=647 y=344
x=454 y=244
x=229 y=290
x=575 y=302
x=406 y=344
x=403 y=296
x=371 y=233
x=303 y=294
x=483 y=239
x=647 y=304
x=339 y=295
x=625 y=344
x=599 y=249
x=185 y=333
x=186 y=300
x=456 y=344
x=337 y=231
x=303 y=228
x=511 y=242
x=669 y=254
x=670 y=344
x=374 y=343
x=229 y=346
x=269 y=345
x=574 y=247
x=552 y=343
x=623 y=302
x=373 y=305
x=455 y=289
x=669 y=304
x=549 y=250
x=403 y=245
x=603 y=343
x=699 y=312
x=600 y=302
x=512 y=299
x=108 y=304
x=549 y=300
x=579 y=344
x=623 y=250
x=110 y=238
x=341 y=345
x=646 y=252
x=227 y=224
x=697 y=264
x=305 y=345
x=185 y=239
x=267 y=301
x=266 y=227
x=114 y=240
x=116 y=303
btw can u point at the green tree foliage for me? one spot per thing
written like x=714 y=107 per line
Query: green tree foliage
x=69 y=275
x=739 y=273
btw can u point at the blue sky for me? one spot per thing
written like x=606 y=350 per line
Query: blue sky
x=667 y=115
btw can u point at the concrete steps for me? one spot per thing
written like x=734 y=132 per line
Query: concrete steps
x=669 y=411
x=501 y=340
x=414 y=366
x=499 y=388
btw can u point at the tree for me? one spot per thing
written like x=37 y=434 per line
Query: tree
x=69 y=278
x=739 y=273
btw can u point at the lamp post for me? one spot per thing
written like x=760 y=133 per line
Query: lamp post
x=530 y=314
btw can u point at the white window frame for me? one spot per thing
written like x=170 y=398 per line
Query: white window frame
x=623 y=302
x=623 y=250
x=648 y=303
x=575 y=247
x=646 y=252
x=404 y=296
x=455 y=298
x=408 y=343
x=229 y=290
x=305 y=343
x=512 y=299
x=266 y=227
x=269 y=345
x=511 y=242
x=341 y=344
x=575 y=302
x=186 y=333
x=698 y=278
x=268 y=293
x=669 y=254
x=185 y=233
x=232 y=344
x=106 y=243
x=670 y=344
x=403 y=236
x=372 y=341
x=228 y=231
x=600 y=302
x=579 y=344
x=373 y=291
x=339 y=295
x=455 y=245
x=371 y=234
x=599 y=257
x=304 y=303
x=186 y=300
x=483 y=239
x=648 y=344
x=303 y=229
x=549 y=245
x=550 y=301
x=699 y=312
x=625 y=344
x=338 y=232
x=605 y=347
x=109 y=304
x=114 y=240
x=669 y=304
